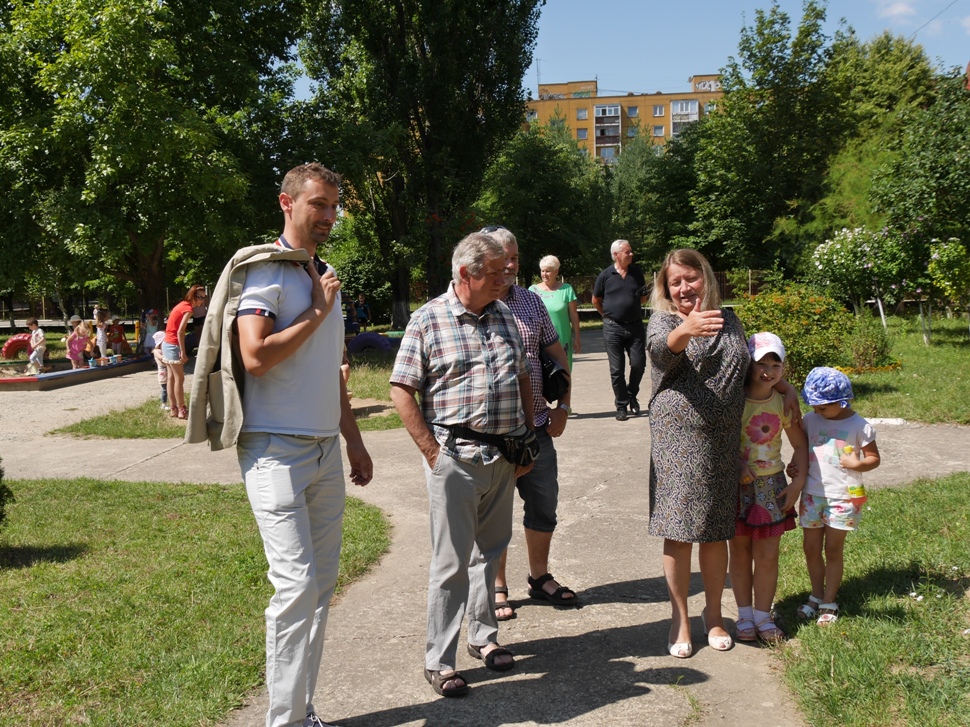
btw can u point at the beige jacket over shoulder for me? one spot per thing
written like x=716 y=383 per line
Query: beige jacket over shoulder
x=215 y=409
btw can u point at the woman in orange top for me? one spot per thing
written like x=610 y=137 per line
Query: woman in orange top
x=174 y=351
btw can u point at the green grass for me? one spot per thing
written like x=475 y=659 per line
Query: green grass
x=380 y=423
x=370 y=374
x=933 y=383
x=133 y=603
x=900 y=653
x=148 y=421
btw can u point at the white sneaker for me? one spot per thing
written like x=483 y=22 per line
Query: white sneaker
x=166 y=407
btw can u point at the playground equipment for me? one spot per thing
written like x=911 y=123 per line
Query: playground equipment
x=369 y=341
x=15 y=344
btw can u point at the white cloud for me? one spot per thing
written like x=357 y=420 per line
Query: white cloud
x=897 y=11
x=965 y=22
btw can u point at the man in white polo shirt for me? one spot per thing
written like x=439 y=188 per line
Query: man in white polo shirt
x=294 y=403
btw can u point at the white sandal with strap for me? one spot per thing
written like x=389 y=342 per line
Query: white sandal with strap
x=828 y=613
x=809 y=609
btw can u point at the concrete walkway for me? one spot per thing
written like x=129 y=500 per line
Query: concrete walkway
x=603 y=664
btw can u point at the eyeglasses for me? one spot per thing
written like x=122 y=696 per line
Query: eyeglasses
x=491 y=228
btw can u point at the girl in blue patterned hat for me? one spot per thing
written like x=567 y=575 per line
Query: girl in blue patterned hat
x=842 y=445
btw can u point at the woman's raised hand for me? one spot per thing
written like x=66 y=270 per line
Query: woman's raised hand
x=705 y=323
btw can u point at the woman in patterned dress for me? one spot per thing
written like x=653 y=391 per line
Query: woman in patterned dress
x=699 y=359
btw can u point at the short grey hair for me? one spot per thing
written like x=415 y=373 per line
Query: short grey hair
x=502 y=236
x=549 y=261
x=473 y=252
x=615 y=247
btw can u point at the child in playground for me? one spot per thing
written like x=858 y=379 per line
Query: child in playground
x=156 y=349
x=101 y=325
x=38 y=346
x=842 y=445
x=76 y=342
x=116 y=337
x=151 y=327
x=362 y=309
x=767 y=500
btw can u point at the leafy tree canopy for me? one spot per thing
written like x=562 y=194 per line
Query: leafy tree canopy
x=553 y=197
x=768 y=145
x=929 y=182
x=130 y=135
x=429 y=92
x=651 y=188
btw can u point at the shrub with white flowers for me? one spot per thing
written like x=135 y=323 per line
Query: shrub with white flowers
x=848 y=263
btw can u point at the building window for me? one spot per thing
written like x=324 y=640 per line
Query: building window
x=582 y=114
x=608 y=110
x=632 y=131
x=681 y=114
x=633 y=111
x=658 y=131
x=581 y=134
x=658 y=109
x=710 y=106
x=608 y=154
x=683 y=107
x=531 y=115
x=557 y=122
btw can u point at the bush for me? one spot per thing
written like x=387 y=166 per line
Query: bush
x=869 y=346
x=812 y=326
x=6 y=497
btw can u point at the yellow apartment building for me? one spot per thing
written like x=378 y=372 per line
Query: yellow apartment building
x=602 y=124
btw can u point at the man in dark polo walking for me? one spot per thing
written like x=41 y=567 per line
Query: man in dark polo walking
x=618 y=296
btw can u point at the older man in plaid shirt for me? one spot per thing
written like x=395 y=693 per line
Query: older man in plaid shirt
x=463 y=353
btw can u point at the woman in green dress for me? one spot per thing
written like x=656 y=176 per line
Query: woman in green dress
x=560 y=300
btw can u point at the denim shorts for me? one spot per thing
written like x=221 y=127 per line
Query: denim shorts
x=539 y=489
x=171 y=353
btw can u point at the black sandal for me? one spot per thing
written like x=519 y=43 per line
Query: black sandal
x=438 y=680
x=507 y=606
x=489 y=658
x=556 y=597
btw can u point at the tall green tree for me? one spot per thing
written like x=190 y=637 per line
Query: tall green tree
x=651 y=188
x=769 y=143
x=423 y=95
x=137 y=137
x=887 y=77
x=929 y=182
x=553 y=197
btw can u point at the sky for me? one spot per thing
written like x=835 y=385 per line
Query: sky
x=643 y=46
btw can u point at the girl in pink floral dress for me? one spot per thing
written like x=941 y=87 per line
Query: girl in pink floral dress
x=76 y=343
x=766 y=500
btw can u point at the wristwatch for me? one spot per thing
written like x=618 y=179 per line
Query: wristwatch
x=566 y=408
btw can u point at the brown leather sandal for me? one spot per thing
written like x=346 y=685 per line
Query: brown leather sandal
x=505 y=605
x=439 y=681
x=556 y=597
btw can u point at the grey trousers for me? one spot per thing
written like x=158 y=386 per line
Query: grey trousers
x=296 y=490
x=471 y=525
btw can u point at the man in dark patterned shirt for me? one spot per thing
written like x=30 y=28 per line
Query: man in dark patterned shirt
x=463 y=354
x=539 y=489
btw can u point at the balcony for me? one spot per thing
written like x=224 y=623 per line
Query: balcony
x=608 y=140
